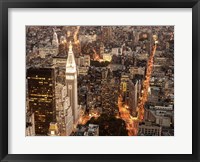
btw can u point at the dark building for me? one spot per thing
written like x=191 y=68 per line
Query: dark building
x=41 y=95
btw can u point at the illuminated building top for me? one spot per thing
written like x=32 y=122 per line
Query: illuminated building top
x=71 y=64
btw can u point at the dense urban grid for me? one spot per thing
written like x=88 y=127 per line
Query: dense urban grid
x=100 y=81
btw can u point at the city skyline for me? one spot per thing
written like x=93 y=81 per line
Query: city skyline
x=100 y=80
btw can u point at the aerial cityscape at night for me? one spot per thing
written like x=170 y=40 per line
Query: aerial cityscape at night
x=99 y=81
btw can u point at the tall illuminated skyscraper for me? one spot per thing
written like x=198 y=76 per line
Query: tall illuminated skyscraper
x=41 y=94
x=71 y=84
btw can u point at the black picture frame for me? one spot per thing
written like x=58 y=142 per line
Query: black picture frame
x=4 y=95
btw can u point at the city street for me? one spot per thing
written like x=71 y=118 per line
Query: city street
x=131 y=122
x=125 y=115
x=144 y=96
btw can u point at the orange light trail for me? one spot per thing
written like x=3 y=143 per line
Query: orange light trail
x=132 y=122
x=146 y=85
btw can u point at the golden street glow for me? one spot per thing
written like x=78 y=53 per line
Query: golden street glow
x=132 y=122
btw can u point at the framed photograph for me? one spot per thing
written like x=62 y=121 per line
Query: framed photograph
x=99 y=81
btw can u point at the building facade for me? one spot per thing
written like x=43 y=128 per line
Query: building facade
x=149 y=129
x=41 y=94
x=71 y=84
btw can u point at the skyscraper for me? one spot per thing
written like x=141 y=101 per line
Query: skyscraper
x=41 y=96
x=71 y=83
x=133 y=96
x=55 y=39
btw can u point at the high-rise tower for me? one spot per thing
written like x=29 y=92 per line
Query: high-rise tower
x=55 y=40
x=41 y=95
x=71 y=84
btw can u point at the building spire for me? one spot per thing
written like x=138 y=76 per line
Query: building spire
x=70 y=46
x=71 y=64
